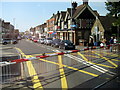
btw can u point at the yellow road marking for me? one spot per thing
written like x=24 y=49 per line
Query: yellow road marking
x=83 y=57
x=106 y=59
x=62 y=74
x=33 y=74
x=111 y=54
x=115 y=60
x=95 y=75
x=36 y=82
x=92 y=56
x=103 y=65
x=20 y=51
x=92 y=62
x=102 y=58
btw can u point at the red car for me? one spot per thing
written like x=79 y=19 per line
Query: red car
x=35 y=40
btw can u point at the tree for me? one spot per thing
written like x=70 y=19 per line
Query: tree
x=113 y=8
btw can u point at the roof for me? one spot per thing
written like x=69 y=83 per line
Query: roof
x=81 y=7
x=63 y=13
x=96 y=13
x=106 y=21
x=69 y=11
x=57 y=17
x=78 y=9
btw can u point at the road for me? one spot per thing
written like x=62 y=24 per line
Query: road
x=86 y=69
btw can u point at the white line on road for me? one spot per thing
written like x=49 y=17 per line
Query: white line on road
x=98 y=68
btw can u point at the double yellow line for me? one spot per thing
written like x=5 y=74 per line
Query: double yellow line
x=36 y=82
x=35 y=79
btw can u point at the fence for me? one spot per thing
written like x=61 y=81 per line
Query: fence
x=15 y=71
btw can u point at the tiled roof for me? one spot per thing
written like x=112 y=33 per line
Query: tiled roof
x=63 y=13
x=69 y=11
x=106 y=22
x=78 y=9
x=96 y=13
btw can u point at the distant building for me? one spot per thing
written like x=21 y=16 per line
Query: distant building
x=7 y=29
x=51 y=26
x=40 y=31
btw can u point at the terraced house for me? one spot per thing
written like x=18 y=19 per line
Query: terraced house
x=7 y=30
x=76 y=23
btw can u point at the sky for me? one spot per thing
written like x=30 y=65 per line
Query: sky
x=24 y=15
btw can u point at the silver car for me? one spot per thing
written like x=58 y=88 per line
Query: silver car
x=48 y=41
x=9 y=41
x=41 y=40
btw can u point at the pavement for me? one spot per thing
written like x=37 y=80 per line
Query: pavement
x=8 y=52
x=79 y=47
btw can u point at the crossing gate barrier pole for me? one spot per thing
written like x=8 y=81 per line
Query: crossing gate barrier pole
x=12 y=69
x=55 y=54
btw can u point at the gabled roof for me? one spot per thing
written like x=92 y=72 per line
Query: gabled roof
x=106 y=21
x=62 y=15
x=69 y=10
x=78 y=9
x=57 y=17
x=97 y=14
x=81 y=8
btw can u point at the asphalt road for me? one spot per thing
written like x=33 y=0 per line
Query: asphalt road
x=91 y=69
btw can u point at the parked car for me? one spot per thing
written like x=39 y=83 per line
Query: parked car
x=41 y=40
x=56 y=43
x=35 y=40
x=66 y=44
x=48 y=41
x=9 y=41
x=14 y=41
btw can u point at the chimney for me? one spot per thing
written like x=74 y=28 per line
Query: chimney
x=57 y=12
x=53 y=14
x=74 y=5
x=85 y=2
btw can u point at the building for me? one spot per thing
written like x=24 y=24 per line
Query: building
x=77 y=23
x=7 y=29
x=51 y=26
x=40 y=31
x=102 y=29
x=32 y=31
x=60 y=25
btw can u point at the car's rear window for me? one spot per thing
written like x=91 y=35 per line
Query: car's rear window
x=7 y=39
x=49 y=38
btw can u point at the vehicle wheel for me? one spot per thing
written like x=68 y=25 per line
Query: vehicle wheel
x=64 y=48
x=4 y=43
x=15 y=42
x=59 y=47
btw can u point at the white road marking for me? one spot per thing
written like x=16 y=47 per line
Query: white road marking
x=98 y=68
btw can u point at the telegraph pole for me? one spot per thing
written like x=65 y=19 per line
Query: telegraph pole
x=14 y=28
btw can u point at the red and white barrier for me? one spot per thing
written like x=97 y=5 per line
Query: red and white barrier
x=49 y=55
